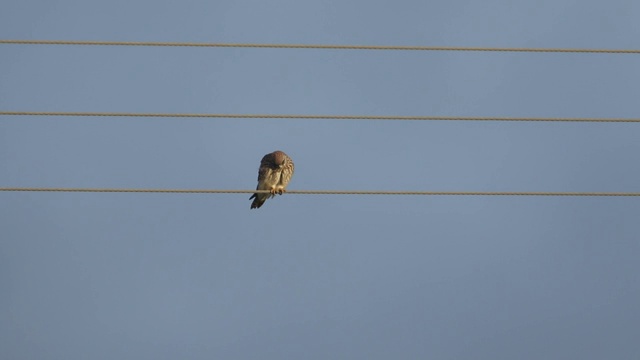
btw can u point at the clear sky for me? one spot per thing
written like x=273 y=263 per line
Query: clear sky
x=166 y=276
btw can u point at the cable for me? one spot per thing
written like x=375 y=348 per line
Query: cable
x=326 y=192
x=314 y=46
x=316 y=117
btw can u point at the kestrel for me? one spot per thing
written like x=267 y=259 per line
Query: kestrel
x=276 y=170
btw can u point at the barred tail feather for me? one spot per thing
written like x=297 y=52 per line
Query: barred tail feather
x=259 y=199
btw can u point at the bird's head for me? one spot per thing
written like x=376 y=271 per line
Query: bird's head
x=279 y=158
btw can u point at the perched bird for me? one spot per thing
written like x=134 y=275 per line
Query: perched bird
x=276 y=170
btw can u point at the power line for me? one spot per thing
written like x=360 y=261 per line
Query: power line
x=324 y=192
x=320 y=117
x=317 y=46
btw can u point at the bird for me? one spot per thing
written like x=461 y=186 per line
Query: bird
x=274 y=174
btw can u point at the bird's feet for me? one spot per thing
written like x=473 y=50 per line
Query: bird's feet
x=281 y=191
x=273 y=191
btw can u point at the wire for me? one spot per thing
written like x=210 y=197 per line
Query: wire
x=326 y=192
x=315 y=117
x=315 y=46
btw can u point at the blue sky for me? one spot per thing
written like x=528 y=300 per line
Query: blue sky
x=165 y=276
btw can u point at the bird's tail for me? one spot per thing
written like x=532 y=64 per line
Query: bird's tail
x=258 y=200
